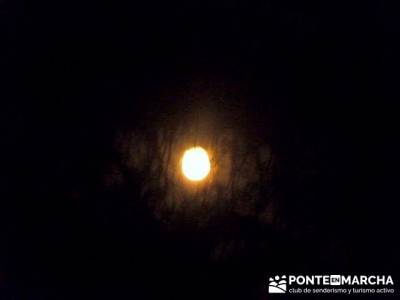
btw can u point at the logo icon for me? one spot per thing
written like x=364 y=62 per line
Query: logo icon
x=277 y=285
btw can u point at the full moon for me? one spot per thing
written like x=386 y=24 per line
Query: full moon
x=195 y=164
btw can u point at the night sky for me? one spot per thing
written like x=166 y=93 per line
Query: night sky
x=87 y=89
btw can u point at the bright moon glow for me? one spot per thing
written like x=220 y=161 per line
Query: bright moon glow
x=195 y=164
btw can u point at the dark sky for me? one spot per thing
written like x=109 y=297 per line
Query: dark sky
x=323 y=76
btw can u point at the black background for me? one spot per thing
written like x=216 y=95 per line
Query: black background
x=74 y=72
